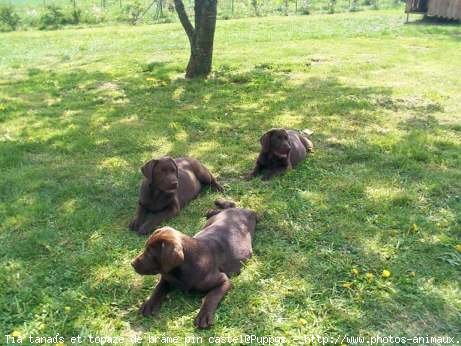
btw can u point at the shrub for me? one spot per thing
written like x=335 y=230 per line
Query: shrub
x=9 y=17
x=134 y=12
x=305 y=7
x=256 y=7
x=30 y=18
x=373 y=3
x=75 y=16
x=354 y=6
x=332 y=6
x=52 y=18
x=97 y=15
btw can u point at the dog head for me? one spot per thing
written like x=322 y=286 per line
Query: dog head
x=162 y=174
x=162 y=253
x=276 y=142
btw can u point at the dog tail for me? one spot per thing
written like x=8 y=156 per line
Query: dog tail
x=224 y=204
x=307 y=132
x=304 y=137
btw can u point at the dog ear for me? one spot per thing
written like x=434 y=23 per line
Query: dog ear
x=171 y=255
x=222 y=203
x=212 y=212
x=174 y=163
x=148 y=169
x=266 y=141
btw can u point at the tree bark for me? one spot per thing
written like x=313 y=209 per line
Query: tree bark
x=201 y=37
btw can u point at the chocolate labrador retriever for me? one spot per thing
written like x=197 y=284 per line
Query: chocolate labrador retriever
x=201 y=263
x=167 y=186
x=281 y=150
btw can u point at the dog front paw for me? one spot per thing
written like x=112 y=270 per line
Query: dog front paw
x=143 y=230
x=204 y=319
x=134 y=225
x=149 y=308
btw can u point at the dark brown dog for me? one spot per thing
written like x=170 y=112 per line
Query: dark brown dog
x=203 y=263
x=281 y=150
x=167 y=186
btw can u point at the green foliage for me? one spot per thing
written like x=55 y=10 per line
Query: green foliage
x=75 y=16
x=133 y=12
x=52 y=18
x=332 y=6
x=9 y=18
x=374 y=4
x=305 y=8
x=354 y=6
x=256 y=7
x=130 y=11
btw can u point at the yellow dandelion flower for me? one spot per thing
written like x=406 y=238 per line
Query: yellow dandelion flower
x=369 y=276
x=347 y=284
x=386 y=273
x=355 y=271
x=16 y=334
x=458 y=247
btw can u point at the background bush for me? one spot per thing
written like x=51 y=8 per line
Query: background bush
x=52 y=18
x=133 y=12
x=57 y=13
x=9 y=19
x=76 y=16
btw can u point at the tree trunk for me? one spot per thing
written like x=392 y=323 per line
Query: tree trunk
x=201 y=37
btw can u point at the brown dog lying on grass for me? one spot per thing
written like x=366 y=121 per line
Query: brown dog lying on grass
x=167 y=186
x=201 y=263
x=281 y=150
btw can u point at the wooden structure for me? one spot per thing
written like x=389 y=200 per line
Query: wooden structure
x=448 y=9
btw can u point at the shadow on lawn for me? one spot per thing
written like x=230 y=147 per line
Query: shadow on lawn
x=71 y=173
x=439 y=26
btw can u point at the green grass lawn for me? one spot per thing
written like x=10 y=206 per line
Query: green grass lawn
x=81 y=110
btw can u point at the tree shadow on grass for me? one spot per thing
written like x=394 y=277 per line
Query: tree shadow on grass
x=71 y=173
x=439 y=26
